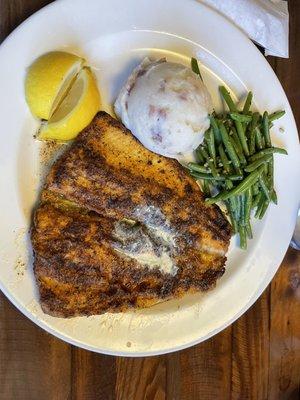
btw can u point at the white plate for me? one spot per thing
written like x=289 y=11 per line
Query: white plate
x=114 y=35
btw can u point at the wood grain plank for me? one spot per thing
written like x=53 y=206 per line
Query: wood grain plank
x=173 y=384
x=93 y=375
x=284 y=375
x=287 y=70
x=284 y=381
x=250 y=352
x=206 y=369
x=141 y=378
x=33 y=364
x=13 y=12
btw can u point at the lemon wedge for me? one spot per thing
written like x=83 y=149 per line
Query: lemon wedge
x=48 y=79
x=76 y=110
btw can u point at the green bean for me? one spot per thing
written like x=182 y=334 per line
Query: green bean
x=276 y=115
x=264 y=152
x=237 y=159
x=240 y=188
x=241 y=219
x=252 y=127
x=233 y=221
x=271 y=172
x=236 y=203
x=255 y=120
x=210 y=141
x=215 y=128
x=238 y=147
x=199 y=176
x=195 y=67
x=258 y=138
x=243 y=208
x=243 y=240
x=210 y=163
x=265 y=126
x=236 y=177
x=232 y=200
x=224 y=158
x=234 y=225
x=230 y=149
x=263 y=209
x=204 y=153
x=213 y=169
x=228 y=184
x=264 y=187
x=242 y=136
x=252 y=142
x=257 y=200
x=228 y=124
x=248 y=205
x=260 y=205
x=249 y=230
x=199 y=156
x=248 y=102
x=196 y=167
x=237 y=139
x=210 y=177
x=228 y=100
x=255 y=189
x=205 y=188
x=231 y=213
x=241 y=117
x=274 y=197
x=254 y=165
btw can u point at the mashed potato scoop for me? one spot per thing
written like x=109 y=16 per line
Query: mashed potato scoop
x=166 y=106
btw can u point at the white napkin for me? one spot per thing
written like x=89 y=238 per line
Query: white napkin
x=266 y=22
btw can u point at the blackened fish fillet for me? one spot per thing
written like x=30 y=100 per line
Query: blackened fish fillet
x=119 y=226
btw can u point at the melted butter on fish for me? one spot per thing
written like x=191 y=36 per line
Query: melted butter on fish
x=148 y=240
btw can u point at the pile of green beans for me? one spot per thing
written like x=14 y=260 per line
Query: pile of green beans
x=236 y=160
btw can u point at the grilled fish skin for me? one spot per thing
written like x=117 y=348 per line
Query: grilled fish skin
x=106 y=204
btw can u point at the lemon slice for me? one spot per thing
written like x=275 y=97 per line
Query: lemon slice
x=76 y=110
x=48 y=79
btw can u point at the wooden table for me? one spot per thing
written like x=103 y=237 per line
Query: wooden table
x=258 y=357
